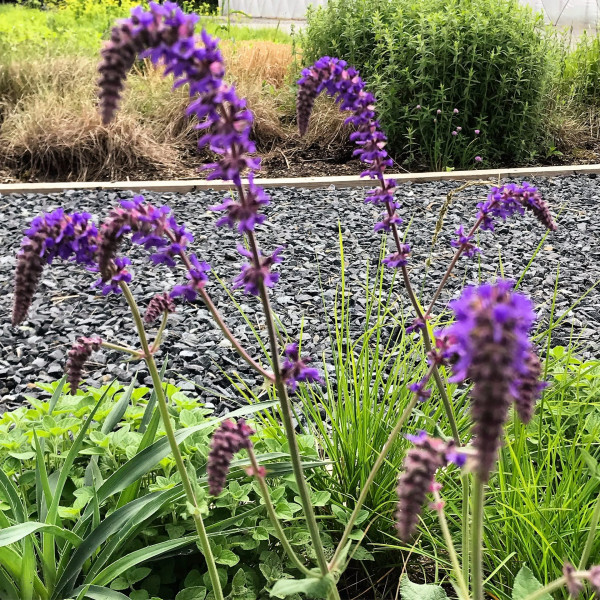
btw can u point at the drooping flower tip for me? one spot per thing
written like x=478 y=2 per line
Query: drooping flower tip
x=415 y=481
x=52 y=235
x=229 y=438
x=78 y=356
x=295 y=368
x=491 y=345
x=418 y=388
x=159 y=304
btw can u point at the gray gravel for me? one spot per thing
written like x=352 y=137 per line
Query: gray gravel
x=306 y=222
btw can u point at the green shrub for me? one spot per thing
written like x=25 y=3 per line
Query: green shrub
x=100 y=486
x=489 y=59
x=582 y=70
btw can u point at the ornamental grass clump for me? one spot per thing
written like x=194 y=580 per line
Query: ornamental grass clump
x=487 y=346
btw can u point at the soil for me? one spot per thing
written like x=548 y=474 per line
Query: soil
x=304 y=162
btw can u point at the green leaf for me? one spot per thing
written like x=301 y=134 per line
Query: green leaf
x=525 y=584
x=95 y=592
x=415 y=591
x=312 y=586
x=192 y=593
x=116 y=414
x=227 y=558
x=56 y=395
x=13 y=534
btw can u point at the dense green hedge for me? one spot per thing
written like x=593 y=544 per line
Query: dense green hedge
x=489 y=59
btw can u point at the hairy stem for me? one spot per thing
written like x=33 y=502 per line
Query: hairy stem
x=458 y=573
x=553 y=585
x=477 y=538
x=264 y=490
x=164 y=413
x=286 y=413
x=124 y=349
x=160 y=332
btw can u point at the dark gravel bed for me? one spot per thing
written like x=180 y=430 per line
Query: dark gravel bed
x=306 y=222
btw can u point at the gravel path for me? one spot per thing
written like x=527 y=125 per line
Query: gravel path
x=306 y=222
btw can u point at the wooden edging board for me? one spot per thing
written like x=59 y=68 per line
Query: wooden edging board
x=343 y=181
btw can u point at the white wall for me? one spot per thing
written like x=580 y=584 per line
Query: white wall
x=580 y=13
x=272 y=9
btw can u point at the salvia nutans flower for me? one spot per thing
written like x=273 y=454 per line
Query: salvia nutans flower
x=418 y=478
x=346 y=86
x=229 y=438
x=505 y=201
x=160 y=303
x=52 y=235
x=166 y=34
x=491 y=347
x=295 y=368
x=78 y=356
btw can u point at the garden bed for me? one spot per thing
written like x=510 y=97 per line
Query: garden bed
x=306 y=222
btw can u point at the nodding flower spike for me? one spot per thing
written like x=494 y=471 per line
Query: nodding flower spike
x=160 y=304
x=505 y=201
x=52 y=235
x=418 y=478
x=490 y=340
x=229 y=438
x=78 y=356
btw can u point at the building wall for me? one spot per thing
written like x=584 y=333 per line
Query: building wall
x=581 y=13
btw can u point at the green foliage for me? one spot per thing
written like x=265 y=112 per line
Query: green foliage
x=582 y=70
x=66 y=507
x=415 y=591
x=489 y=59
x=526 y=584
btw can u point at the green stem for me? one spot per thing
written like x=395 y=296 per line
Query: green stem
x=589 y=543
x=264 y=490
x=477 y=538
x=164 y=413
x=365 y=488
x=286 y=414
x=120 y=348
x=458 y=573
x=465 y=528
x=160 y=332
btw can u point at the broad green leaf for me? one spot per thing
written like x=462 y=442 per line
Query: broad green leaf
x=227 y=558
x=316 y=587
x=13 y=534
x=525 y=584
x=192 y=593
x=139 y=556
x=415 y=591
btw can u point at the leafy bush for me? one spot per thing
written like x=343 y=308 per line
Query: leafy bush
x=582 y=70
x=443 y=66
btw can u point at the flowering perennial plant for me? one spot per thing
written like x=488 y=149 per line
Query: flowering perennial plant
x=488 y=343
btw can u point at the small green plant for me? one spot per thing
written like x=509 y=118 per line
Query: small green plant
x=582 y=70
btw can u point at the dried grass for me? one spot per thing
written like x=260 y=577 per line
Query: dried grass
x=50 y=127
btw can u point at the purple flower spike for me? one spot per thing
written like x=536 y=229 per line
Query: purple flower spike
x=417 y=478
x=529 y=387
x=117 y=273
x=160 y=303
x=229 y=438
x=465 y=242
x=491 y=344
x=251 y=276
x=505 y=201
x=398 y=259
x=78 y=356
x=295 y=368
x=197 y=276
x=386 y=223
x=52 y=235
